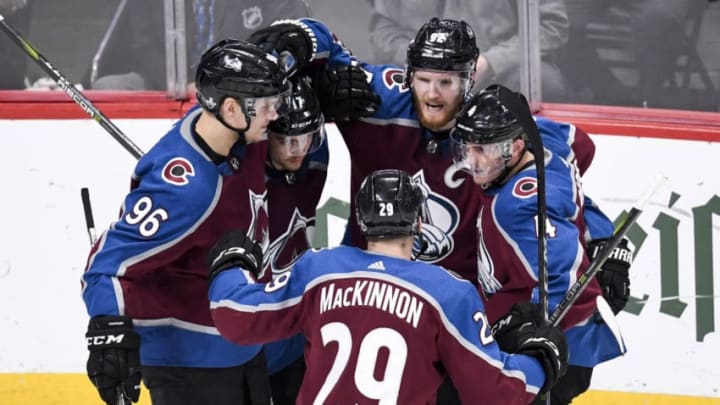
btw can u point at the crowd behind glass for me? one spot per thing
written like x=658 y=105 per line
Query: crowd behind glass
x=643 y=53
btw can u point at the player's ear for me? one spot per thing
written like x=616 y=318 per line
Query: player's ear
x=229 y=105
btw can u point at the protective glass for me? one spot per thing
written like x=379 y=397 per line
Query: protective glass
x=443 y=82
x=484 y=161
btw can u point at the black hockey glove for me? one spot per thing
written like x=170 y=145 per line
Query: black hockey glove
x=520 y=332
x=345 y=94
x=287 y=36
x=114 y=361
x=235 y=249
x=613 y=275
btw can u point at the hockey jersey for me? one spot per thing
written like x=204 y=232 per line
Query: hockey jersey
x=508 y=255
x=394 y=138
x=377 y=329
x=292 y=201
x=151 y=264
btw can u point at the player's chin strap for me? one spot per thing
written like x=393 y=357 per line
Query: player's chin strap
x=240 y=132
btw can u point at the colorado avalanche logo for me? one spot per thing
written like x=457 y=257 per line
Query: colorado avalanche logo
x=441 y=219
x=276 y=255
x=486 y=269
x=258 y=206
x=177 y=170
x=394 y=77
x=525 y=187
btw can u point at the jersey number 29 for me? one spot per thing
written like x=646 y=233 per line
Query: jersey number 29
x=387 y=390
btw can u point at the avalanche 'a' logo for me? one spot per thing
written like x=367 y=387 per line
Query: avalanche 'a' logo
x=258 y=230
x=281 y=259
x=177 y=170
x=486 y=269
x=441 y=219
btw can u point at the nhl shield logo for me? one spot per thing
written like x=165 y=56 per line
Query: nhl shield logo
x=252 y=17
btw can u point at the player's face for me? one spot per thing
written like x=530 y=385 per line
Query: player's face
x=288 y=152
x=262 y=111
x=485 y=162
x=437 y=96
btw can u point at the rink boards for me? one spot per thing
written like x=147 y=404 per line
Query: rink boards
x=670 y=326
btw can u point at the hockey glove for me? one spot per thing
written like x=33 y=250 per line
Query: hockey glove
x=235 y=249
x=520 y=332
x=291 y=36
x=114 y=361
x=345 y=94
x=613 y=276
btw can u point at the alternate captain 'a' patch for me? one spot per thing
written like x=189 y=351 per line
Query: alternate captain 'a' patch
x=177 y=171
x=525 y=187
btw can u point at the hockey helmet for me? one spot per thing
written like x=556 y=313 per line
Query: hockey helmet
x=388 y=204
x=303 y=124
x=485 y=130
x=238 y=69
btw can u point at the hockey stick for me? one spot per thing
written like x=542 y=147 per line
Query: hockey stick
x=85 y=104
x=120 y=398
x=87 y=208
x=518 y=105
x=584 y=280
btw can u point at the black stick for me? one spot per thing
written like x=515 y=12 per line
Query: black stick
x=75 y=94
x=518 y=105
x=120 y=398
x=620 y=231
x=87 y=208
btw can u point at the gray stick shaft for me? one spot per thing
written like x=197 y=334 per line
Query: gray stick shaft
x=79 y=99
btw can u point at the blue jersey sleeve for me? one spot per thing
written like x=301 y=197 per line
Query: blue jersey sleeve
x=159 y=212
x=245 y=311
x=469 y=351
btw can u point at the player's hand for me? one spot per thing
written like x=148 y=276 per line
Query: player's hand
x=287 y=36
x=345 y=94
x=235 y=249
x=614 y=276
x=114 y=360
x=521 y=331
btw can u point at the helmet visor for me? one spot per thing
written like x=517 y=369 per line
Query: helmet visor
x=443 y=82
x=261 y=106
x=483 y=161
x=296 y=145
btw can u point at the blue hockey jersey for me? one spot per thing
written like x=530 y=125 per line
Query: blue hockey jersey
x=150 y=264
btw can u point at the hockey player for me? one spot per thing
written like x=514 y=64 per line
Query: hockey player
x=145 y=287
x=409 y=131
x=295 y=172
x=381 y=327
x=490 y=142
x=410 y=128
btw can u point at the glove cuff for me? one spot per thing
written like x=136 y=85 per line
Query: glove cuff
x=111 y=332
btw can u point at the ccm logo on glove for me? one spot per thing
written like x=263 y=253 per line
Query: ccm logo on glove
x=105 y=340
